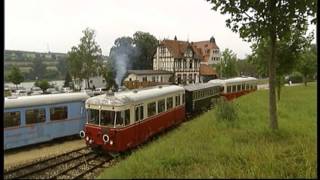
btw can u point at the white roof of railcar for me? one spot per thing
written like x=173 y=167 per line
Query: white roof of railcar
x=233 y=80
x=39 y=100
x=126 y=97
x=193 y=87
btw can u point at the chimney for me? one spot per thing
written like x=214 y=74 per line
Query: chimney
x=175 y=38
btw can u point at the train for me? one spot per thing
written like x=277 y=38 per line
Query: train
x=34 y=119
x=123 y=120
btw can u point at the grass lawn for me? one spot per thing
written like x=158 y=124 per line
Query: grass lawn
x=247 y=148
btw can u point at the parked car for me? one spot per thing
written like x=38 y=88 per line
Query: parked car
x=20 y=92
x=99 y=91
x=36 y=91
x=52 y=91
x=66 y=90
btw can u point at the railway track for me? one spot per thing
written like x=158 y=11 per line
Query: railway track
x=75 y=164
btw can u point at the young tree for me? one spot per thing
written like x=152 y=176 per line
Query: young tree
x=307 y=64
x=227 y=66
x=273 y=19
x=67 y=80
x=43 y=84
x=38 y=68
x=105 y=70
x=83 y=59
x=15 y=76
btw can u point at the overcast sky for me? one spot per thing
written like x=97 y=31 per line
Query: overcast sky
x=56 y=25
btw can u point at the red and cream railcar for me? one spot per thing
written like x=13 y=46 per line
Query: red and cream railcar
x=235 y=87
x=124 y=120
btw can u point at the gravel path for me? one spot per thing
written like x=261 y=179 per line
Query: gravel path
x=27 y=155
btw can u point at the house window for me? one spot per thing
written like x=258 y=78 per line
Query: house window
x=144 y=79
x=153 y=79
x=58 y=113
x=103 y=81
x=190 y=65
x=90 y=81
x=35 y=116
x=11 y=119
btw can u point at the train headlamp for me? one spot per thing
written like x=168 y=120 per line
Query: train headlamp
x=87 y=138
x=111 y=143
x=82 y=134
x=105 y=138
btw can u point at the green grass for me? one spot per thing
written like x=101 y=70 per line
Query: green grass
x=206 y=148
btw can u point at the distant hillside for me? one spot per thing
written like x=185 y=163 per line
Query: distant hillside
x=55 y=62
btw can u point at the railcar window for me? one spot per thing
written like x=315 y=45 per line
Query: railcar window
x=255 y=86
x=183 y=98
x=58 y=113
x=107 y=118
x=169 y=102
x=35 y=116
x=11 y=119
x=152 y=109
x=234 y=88
x=178 y=100
x=247 y=86
x=228 y=89
x=239 y=87
x=93 y=116
x=243 y=87
x=139 y=113
x=161 y=106
x=127 y=117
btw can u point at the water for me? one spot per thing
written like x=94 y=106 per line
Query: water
x=29 y=85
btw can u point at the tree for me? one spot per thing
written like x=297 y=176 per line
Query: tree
x=145 y=47
x=43 y=84
x=105 y=70
x=227 y=67
x=67 y=80
x=62 y=67
x=38 y=68
x=246 y=68
x=85 y=56
x=75 y=66
x=15 y=76
x=273 y=19
x=289 y=51
x=122 y=55
x=307 y=64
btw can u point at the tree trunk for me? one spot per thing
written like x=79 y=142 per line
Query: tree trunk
x=88 y=83
x=305 y=80
x=272 y=83
x=279 y=88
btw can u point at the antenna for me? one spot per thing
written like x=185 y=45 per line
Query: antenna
x=188 y=37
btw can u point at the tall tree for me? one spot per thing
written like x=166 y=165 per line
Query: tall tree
x=145 y=46
x=228 y=66
x=67 y=80
x=85 y=56
x=43 y=85
x=122 y=55
x=15 y=76
x=273 y=19
x=105 y=70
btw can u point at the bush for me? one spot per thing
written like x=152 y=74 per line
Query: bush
x=226 y=111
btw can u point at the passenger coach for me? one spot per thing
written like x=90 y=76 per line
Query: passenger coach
x=34 y=119
x=126 y=119
x=202 y=96
x=235 y=87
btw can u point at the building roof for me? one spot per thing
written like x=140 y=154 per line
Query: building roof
x=206 y=70
x=41 y=100
x=134 y=96
x=148 y=72
x=178 y=48
x=205 y=47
